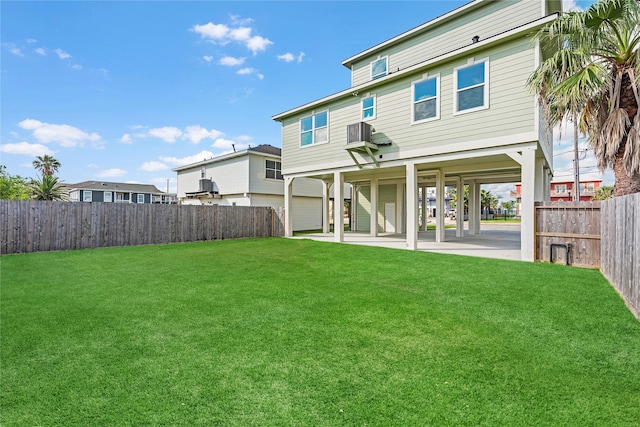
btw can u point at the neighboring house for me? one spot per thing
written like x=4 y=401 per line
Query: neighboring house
x=443 y=104
x=251 y=177
x=562 y=190
x=117 y=192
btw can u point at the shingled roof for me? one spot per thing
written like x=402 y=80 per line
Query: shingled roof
x=122 y=187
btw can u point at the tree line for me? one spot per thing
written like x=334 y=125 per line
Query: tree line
x=47 y=186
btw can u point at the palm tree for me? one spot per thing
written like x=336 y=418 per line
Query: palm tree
x=47 y=165
x=48 y=188
x=594 y=78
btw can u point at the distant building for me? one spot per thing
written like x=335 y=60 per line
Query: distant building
x=117 y=192
x=563 y=190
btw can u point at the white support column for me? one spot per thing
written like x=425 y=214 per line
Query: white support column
x=338 y=207
x=374 y=207
x=325 y=206
x=473 y=213
x=527 y=230
x=478 y=207
x=459 y=207
x=400 y=209
x=288 y=204
x=539 y=180
x=412 y=206
x=440 y=206
x=424 y=208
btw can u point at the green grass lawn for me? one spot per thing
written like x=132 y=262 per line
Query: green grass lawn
x=294 y=332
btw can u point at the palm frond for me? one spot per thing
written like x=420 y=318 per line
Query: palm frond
x=631 y=156
x=613 y=131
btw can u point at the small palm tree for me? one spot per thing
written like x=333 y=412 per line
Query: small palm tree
x=603 y=193
x=47 y=165
x=48 y=188
x=593 y=77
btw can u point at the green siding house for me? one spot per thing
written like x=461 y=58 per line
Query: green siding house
x=443 y=104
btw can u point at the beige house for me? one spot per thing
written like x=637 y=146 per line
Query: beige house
x=443 y=104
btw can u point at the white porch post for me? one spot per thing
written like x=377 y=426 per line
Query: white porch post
x=374 y=207
x=473 y=212
x=338 y=206
x=459 y=207
x=478 y=207
x=400 y=226
x=528 y=208
x=412 y=206
x=288 y=204
x=424 y=208
x=539 y=180
x=440 y=206
x=325 y=206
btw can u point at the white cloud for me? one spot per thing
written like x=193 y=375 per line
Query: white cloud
x=25 y=148
x=13 y=49
x=126 y=139
x=111 y=173
x=168 y=134
x=196 y=133
x=223 y=34
x=249 y=71
x=203 y=155
x=230 y=61
x=244 y=138
x=65 y=135
x=237 y=20
x=208 y=58
x=153 y=167
x=76 y=67
x=570 y=5
x=40 y=51
x=62 y=54
x=286 y=57
x=32 y=41
x=258 y=44
x=300 y=57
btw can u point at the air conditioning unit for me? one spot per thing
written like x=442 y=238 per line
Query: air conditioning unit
x=359 y=132
x=206 y=185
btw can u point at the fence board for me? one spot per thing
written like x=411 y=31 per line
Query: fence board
x=30 y=226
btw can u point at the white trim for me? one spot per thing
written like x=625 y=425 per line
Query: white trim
x=524 y=29
x=386 y=67
x=86 y=193
x=375 y=107
x=138 y=198
x=425 y=78
x=313 y=130
x=470 y=63
x=104 y=197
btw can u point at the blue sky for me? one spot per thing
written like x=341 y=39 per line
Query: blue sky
x=125 y=91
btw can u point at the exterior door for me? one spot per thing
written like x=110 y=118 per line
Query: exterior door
x=390 y=217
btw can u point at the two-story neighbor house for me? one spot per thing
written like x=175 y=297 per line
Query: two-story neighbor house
x=251 y=177
x=443 y=104
x=117 y=192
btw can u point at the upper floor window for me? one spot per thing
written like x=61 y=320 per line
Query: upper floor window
x=471 y=86
x=203 y=172
x=560 y=188
x=87 y=196
x=425 y=99
x=140 y=198
x=273 y=169
x=369 y=107
x=314 y=129
x=379 y=68
x=108 y=196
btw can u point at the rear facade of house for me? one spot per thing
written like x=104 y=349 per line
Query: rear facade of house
x=443 y=104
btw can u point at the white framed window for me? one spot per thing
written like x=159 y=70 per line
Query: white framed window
x=203 y=172
x=425 y=99
x=379 y=67
x=273 y=169
x=108 y=196
x=471 y=86
x=314 y=129
x=119 y=197
x=140 y=198
x=87 y=196
x=368 y=107
x=561 y=188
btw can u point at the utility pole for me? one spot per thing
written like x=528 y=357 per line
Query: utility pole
x=576 y=160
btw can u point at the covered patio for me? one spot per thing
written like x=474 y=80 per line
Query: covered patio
x=499 y=240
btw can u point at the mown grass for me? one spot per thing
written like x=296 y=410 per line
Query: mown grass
x=296 y=332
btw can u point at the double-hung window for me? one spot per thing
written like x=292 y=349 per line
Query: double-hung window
x=140 y=198
x=369 y=107
x=426 y=105
x=108 y=196
x=273 y=169
x=471 y=86
x=314 y=129
x=379 y=68
x=87 y=196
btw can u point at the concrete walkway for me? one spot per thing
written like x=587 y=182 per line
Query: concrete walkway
x=495 y=241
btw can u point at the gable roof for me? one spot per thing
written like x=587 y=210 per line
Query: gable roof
x=263 y=149
x=122 y=187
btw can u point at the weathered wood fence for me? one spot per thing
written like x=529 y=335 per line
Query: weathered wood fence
x=576 y=224
x=621 y=247
x=36 y=226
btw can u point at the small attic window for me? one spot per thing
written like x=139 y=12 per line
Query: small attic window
x=379 y=68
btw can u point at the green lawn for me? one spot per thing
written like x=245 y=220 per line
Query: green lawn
x=294 y=332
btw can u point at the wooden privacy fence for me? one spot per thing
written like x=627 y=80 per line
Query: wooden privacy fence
x=36 y=226
x=568 y=225
x=621 y=247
